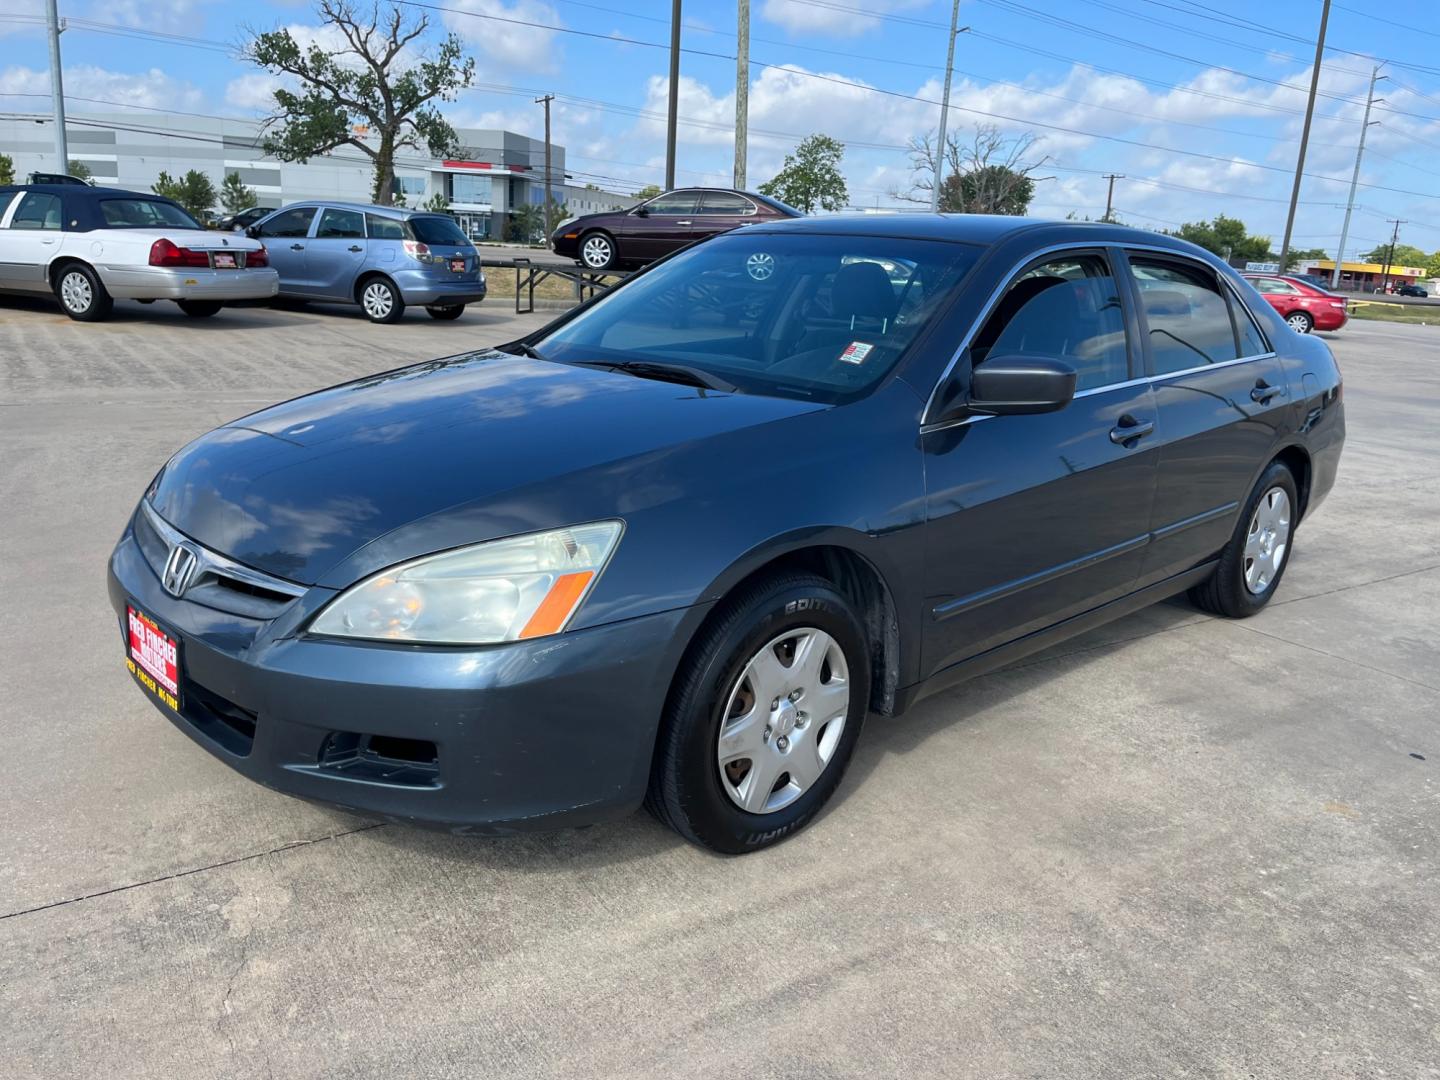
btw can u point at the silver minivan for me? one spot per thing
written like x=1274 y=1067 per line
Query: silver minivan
x=380 y=257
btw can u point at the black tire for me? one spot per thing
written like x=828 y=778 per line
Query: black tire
x=608 y=262
x=445 y=314
x=199 y=309
x=380 y=312
x=1225 y=591
x=685 y=785
x=1300 y=322
x=89 y=303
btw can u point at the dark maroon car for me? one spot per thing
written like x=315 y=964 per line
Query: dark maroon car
x=669 y=221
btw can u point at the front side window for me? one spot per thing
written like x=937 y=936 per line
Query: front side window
x=144 y=214
x=292 y=223
x=37 y=210
x=1188 y=318
x=820 y=318
x=1067 y=309
x=674 y=204
x=340 y=225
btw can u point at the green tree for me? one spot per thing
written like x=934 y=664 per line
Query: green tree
x=1297 y=256
x=79 y=170
x=811 y=179
x=436 y=204
x=989 y=175
x=1404 y=255
x=7 y=169
x=235 y=195
x=1226 y=237
x=1432 y=265
x=649 y=191
x=193 y=191
x=527 y=223
x=362 y=91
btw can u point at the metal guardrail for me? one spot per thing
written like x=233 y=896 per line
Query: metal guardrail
x=529 y=274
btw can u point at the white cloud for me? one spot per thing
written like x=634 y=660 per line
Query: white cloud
x=168 y=15
x=254 y=92
x=808 y=18
x=510 y=43
x=152 y=89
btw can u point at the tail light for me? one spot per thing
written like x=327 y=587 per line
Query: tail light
x=420 y=252
x=167 y=253
x=258 y=258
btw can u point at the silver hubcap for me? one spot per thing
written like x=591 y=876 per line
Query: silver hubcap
x=1267 y=540
x=783 y=720
x=1299 y=324
x=377 y=300
x=760 y=265
x=596 y=251
x=75 y=291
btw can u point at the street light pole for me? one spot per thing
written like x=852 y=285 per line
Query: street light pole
x=1305 y=134
x=675 y=94
x=1110 y=195
x=549 y=202
x=1375 y=76
x=1390 y=254
x=945 y=106
x=742 y=91
x=57 y=86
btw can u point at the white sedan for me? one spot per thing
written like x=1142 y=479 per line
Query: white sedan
x=90 y=245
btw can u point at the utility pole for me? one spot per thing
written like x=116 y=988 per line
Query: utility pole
x=945 y=105
x=1390 y=254
x=57 y=86
x=1375 y=76
x=1305 y=134
x=742 y=92
x=1110 y=195
x=675 y=94
x=549 y=202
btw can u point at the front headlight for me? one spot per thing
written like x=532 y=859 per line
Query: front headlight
x=501 y=590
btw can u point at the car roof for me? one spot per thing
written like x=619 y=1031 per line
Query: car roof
x=399 y=212
x=83 y=191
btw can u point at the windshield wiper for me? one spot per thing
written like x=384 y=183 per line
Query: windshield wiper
x=524 y=348
x=667 y=372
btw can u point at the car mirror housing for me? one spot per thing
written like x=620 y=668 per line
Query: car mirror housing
x=640 y=211
x=1015 y=385
x=253 y=232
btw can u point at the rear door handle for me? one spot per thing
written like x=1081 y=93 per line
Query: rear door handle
x=1129 y=430
x=355 y=247
x=1263 y=392
x=683 y=223
x=297 y=247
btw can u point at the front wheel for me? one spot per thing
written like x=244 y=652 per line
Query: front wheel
x=1300 y=322
x=597 y=251
x=199 y=309
x=764 y=716
x=1254 y=560
x=382 y=301
x=445 y=314
x=82 y=294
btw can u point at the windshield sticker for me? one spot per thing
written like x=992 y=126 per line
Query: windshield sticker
x=856 y=352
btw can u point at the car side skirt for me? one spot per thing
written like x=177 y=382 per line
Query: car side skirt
x=998 y=657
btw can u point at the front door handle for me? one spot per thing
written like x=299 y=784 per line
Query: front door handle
x=355 y=247
x=1263 y=392
x=297 y=247
x=1129 y=430
x=682 y=223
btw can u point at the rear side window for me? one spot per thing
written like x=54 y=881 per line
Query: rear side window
x=725 y=203
x=384 y=228
x=1274 y=285
x=290 y=223
x=340 y=225
x=37 y=210
x=1252 y=341
x=144 y=214
x=1066 y=309
x=438 y=230
x=1188 y=317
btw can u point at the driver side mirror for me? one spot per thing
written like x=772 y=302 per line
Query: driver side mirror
x=253 y=232
x=1018 y=385
x=640 y=211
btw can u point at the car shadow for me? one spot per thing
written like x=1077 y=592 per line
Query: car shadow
x=160 y=312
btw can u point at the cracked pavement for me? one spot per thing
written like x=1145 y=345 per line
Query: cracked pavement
x=1175 y=846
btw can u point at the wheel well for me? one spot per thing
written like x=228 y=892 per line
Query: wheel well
x=858 y=580
x=369 y=276
x=60 y=264
x=1298 y=462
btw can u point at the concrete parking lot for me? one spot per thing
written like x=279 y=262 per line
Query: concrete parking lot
x=1177 y=846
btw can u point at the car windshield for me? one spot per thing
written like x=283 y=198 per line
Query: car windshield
x=144 y=214
x=438 y=230
x=820 y=317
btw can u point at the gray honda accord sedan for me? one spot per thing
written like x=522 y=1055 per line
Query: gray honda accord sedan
x=677 y=546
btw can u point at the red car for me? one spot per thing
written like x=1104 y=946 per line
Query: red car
x=1304 y=306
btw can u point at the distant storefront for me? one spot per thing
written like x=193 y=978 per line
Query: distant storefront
x=1365 y=277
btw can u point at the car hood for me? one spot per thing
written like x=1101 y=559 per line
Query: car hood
x=300 y=487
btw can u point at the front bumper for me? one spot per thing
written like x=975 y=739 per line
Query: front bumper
x=425 y=288
x=190 y=283
x=540 y=734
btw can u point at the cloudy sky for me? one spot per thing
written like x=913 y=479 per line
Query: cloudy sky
x=1198 y=102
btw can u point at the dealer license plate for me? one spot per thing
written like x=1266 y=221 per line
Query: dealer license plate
x=153 y=657
x=224 y=260
x=458 y=265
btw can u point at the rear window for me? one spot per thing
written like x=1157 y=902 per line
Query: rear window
x=437 y=230
x=144 y=214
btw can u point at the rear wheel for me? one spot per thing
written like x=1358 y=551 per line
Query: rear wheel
x=597 y=251
x=1300 y=322
x=199 y=309
x=1254 y=560
x=81 y=293
x=764 y=715
x=445 y=314
x=382 y=300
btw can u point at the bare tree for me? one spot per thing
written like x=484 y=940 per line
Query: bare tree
x=991 y=174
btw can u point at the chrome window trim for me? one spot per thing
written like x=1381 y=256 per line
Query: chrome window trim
x=212 y=562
